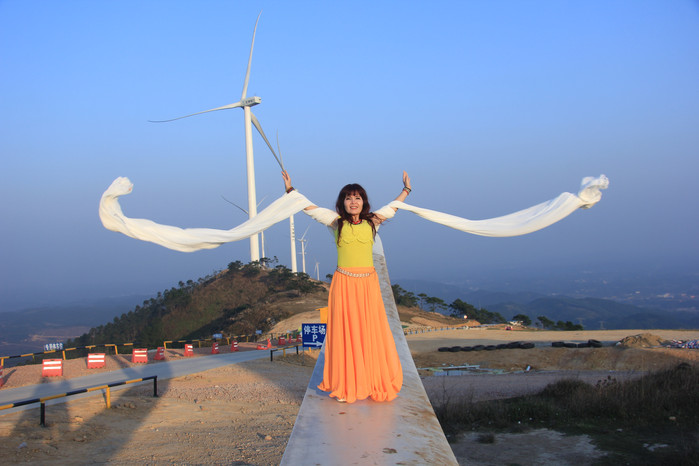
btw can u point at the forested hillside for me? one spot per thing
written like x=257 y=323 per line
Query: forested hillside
x=240 y=300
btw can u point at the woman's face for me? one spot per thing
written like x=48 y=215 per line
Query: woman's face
x=353 y=204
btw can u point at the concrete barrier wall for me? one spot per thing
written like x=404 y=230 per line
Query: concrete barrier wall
x=404 y=431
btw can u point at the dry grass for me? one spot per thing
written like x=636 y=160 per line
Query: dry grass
x=650 y=420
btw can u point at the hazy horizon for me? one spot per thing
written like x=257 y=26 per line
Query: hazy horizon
x=548 y=281
x=490 y=107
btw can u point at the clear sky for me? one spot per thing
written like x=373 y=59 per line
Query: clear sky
x=491 y=107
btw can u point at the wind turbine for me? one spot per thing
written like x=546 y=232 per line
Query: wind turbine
x=262 y=233
x=303 y=242
x=317 y=270
x=246 y=103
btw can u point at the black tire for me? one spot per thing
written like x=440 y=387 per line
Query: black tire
x=443 y=349
x=583 y=345
x=558 y=344
x=454 y=349
x=526 y=345
x=594 y=343
x=502 y=346
x=466 y=348
x=571 y=345
x=490 y=348
x=478 y=348
x=513 y=344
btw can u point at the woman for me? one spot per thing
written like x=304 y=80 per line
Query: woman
x=361 y=360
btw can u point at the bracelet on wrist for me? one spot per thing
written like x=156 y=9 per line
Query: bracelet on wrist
x=291 y=188
x=408 y=190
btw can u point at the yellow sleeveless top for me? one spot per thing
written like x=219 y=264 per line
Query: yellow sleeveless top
x=355 y=246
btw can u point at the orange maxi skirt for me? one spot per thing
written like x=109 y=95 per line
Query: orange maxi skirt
x=361 y=360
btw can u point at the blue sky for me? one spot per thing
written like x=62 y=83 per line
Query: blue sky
x=491 y=107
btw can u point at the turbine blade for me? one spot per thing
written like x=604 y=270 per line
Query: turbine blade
x=279 y=149
x=225 y=107
x=247 y=73
x=255 y=122
x=233 y=203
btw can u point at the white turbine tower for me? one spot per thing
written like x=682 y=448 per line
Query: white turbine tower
x=292 y=235
x=303 y=242
x=249 y=119
x=317 y=270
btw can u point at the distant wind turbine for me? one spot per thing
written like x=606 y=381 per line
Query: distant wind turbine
x=249 y=119
x=303 y=242
x=317 y=270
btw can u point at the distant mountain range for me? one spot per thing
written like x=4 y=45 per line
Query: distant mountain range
x=28 y=330
x=592 y=313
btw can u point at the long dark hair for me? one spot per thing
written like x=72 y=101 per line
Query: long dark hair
x=365 y=214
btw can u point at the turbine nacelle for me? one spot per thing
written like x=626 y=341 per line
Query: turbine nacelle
x=250 y=101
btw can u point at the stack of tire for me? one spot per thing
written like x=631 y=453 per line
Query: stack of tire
x=587 y=344
x=511 y=345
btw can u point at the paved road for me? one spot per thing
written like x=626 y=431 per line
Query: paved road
x=164 y=370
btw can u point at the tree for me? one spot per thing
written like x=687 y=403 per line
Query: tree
x=403 y=297
x=251 y=269
x=526 y=321
x=423 y=298
x=235 y=266
x=461 y=308
x=436 y=303
x=568 y=325
x=546 y=323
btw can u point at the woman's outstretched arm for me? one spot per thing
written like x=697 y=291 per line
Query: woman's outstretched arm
x=289 y=188
x=401 y=197
x=325 y=216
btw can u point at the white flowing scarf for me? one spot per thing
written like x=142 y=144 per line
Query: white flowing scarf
x=193 y=239
x=524 y=221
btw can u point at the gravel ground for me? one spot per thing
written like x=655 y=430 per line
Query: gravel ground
x=244 y=413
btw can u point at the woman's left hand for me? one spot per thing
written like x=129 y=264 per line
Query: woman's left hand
x=287 y=181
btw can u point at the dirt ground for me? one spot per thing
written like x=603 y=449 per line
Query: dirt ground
x=244 y=413
x=238 y=414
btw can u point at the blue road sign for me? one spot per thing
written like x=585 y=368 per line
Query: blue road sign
x=313 y=335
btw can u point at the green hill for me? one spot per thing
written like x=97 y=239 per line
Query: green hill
x=237 y=301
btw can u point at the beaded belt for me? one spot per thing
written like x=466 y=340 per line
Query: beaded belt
x=350 y=274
